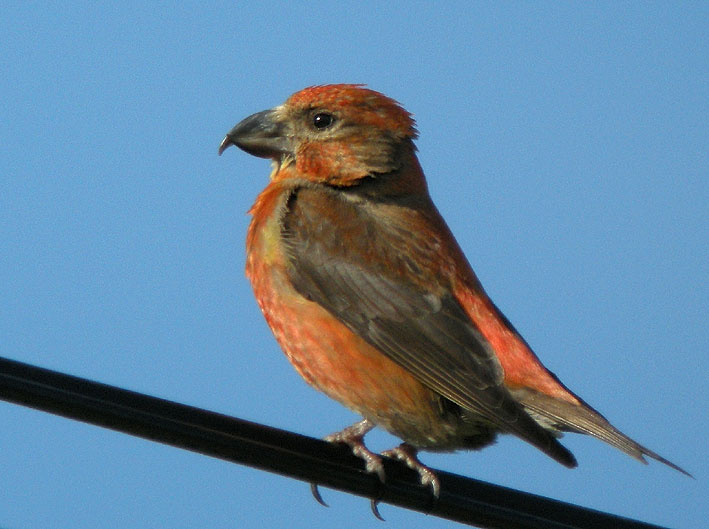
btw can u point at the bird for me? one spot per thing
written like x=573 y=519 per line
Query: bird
x=372 y=299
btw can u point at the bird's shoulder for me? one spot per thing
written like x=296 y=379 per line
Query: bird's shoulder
x=394 y=236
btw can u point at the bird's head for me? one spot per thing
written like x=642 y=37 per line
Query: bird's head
x=334 y=134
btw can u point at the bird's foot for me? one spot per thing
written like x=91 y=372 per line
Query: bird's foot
x=407 y=454
x=353 y=436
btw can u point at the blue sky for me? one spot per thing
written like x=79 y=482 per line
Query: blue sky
x=566 y=145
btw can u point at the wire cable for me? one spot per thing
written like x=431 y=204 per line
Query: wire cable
x=311 y=460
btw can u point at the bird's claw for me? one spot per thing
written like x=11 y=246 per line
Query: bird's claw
x=315 y=491
x=374 y=505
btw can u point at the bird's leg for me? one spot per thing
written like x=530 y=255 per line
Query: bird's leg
x=353 y=436
x=407 y=454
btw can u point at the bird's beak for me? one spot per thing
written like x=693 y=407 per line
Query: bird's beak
x=261 y=134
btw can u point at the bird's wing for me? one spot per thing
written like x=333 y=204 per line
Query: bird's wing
x=344 y=258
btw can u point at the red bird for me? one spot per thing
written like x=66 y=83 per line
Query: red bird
x=372 y=299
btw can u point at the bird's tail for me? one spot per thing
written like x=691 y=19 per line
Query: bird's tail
x=582 y=418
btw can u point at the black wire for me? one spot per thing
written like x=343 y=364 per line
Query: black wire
x=311 y=460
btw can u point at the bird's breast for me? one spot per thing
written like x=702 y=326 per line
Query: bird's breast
x=327 y=354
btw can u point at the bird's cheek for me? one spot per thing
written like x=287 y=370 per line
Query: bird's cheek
x=333 y=163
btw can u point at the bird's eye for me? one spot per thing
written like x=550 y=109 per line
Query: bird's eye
x=322 y=120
